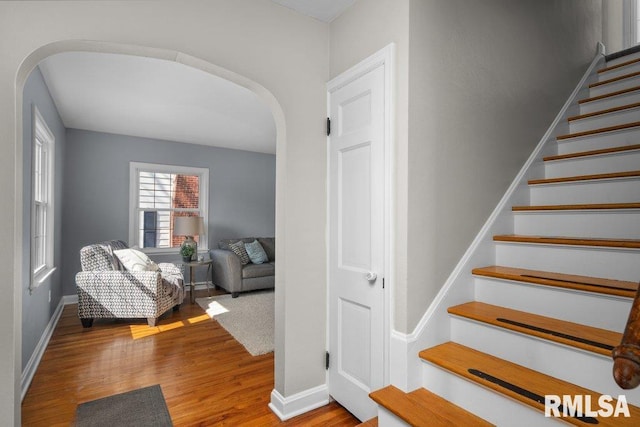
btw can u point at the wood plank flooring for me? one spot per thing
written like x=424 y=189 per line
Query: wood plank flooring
x=206 y=376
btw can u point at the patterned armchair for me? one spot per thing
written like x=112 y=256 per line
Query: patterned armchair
x=107 y=290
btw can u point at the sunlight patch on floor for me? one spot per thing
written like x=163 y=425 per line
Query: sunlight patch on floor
x=143 y=330
x=198 y=319
x=215 y=308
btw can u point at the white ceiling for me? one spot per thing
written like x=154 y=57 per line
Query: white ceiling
x=158 y=99
x=324 y=10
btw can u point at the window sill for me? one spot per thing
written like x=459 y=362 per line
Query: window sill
x=42 y=276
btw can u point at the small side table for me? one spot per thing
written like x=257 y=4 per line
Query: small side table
x=194 y=265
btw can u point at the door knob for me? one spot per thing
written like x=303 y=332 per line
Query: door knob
x=371 y=277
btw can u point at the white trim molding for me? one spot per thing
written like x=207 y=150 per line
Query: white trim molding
x=299 y=403
x=629 y=23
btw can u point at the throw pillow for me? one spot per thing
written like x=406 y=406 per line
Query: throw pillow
x=238 y=249
x=269 y=246
x=256 y=253
x=134 y=260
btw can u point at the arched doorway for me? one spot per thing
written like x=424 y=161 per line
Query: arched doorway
x=87 y=46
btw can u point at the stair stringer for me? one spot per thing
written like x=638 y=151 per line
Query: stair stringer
x=405 y=367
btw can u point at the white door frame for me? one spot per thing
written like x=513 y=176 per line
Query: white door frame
x=384 y=57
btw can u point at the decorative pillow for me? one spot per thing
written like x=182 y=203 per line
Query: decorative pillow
x=238 y=249
x=134 y=260
x=256 y=253
x=269 y=246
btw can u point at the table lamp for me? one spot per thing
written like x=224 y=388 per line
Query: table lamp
x=189 y=226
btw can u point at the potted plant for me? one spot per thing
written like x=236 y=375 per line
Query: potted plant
x=187 y=252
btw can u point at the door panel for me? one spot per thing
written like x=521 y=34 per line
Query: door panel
x=356 y=236
x=354 y=203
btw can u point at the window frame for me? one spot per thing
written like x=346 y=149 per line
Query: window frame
x=134 y=174
x=630 y=21
x=42 y=194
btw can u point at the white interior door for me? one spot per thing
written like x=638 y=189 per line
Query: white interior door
x=356 y=242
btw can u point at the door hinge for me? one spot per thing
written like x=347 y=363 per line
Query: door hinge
x=383 y=283
x=326 y=360
x=328 y=126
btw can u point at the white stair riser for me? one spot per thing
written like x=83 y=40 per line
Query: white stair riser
x=613 y=225
x=618 y=72
x=559 y=361
x=599 y=191
x=605 y=120
x=489 y=405
x=614 y=86
x=599 y=141
x=559 y=303
x=615 y=264
x=622 y=59
x=388 y=419
x=610 y=102
x=615 y=162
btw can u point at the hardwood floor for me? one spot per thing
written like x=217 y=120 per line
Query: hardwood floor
x=206 y=376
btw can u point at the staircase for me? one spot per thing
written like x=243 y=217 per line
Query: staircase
x=544 y=318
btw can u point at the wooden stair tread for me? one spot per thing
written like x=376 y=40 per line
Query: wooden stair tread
x=598 y=131
x=622 y=64
x=422 y=408
x=615 y=79
x=592 y=152
x=568 y=281
x=588 y=338
x=373 y=422
x=613 y=175
x=609 y=95
x=603 y=112
x=460 y=360
x=571 y=241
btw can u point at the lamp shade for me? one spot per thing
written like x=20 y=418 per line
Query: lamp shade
x=188 y=225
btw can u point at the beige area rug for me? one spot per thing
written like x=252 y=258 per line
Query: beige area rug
x=249 y=318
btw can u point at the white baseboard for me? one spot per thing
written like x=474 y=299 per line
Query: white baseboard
x=299 y=403
x=34 y=361
x=70 y=299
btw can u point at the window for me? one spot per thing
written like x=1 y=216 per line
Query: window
x=42 y=213
x=637 y=22
x=159 y=193
x=630 y=23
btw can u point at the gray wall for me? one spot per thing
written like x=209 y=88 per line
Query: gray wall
x=36 y=307
x=241 y=190
x=486 y=80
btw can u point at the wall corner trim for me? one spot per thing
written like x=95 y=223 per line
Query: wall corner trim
x=299 y=403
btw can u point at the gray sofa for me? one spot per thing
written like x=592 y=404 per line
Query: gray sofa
x=231 y=275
